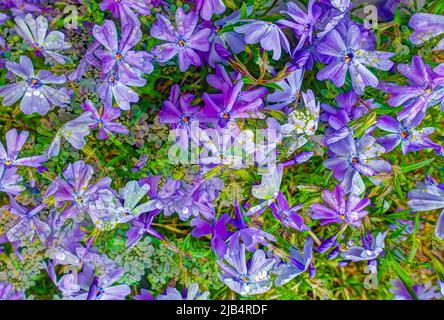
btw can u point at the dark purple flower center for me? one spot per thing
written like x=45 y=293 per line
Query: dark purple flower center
x=185 y=119
x=34 y=83
x=404 y=134
x=99 y=293
x=112 y=80
x=119 y=56
x=348 y=57
x=38 y=50
x=355 y=160
x=181 y=42
x=7 y=162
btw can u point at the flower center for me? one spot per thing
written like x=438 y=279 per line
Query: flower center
x=355 y=160
x=99 y=293
x=119 y=56
x=181 y=43
x=348 y=57
x=112 y=80
x=34 y=83
x=226 y=116
x=404 y=134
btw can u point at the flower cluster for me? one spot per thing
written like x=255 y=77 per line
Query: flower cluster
x=213 y=149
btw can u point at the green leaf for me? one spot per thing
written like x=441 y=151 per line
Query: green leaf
x=411 y=167
x=273 y=85
x=244 y=12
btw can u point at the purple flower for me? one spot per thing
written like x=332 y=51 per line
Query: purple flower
x=34 y=32
x=405 y=134
x=338 y=118
x=242 y=277
x=9 y=180
x=141 y=226
x=27 y=223
x=209 y=7
x=124 y=9
x=103 y=289
x=216 y=228
x=429 y=195
x=194 y=199
x=370 y=250
x=181 y=115
x=250 y=236
x=291 y=88
x=88 y=58
x=303 y=23
x=118 y=88
x=37 y=95
x=192 y=293
x=222 y=39
x=267 y=190
x=107 y=211
x=62 y=242
x=74 y=132
x=268 y=34
x=104 y=120
x=422 y=292
x=424 y=91
x=335 y=11
x=20 y=7
x=427 y=26
x=140 y=163
x=222 y=81
x=350 y=56
x=129 y=64
x=75 y=190
x=353 y=158
x=226 y=108
x=299 y=263
x=7 y=292
x=338 y=209
x=14 y=144
x=144 y=295
x=182 y=42
x=3 y=18
x=289 y=217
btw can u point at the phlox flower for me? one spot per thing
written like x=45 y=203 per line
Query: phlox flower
x=34 y=31
x=130 y=64
x=429 y=195
x=182 y=41
x=246 y=279
x=34 y=90
x=267 y=33
x=352 y=158
x=14 y=144
x=104 y=120
x=349 y=56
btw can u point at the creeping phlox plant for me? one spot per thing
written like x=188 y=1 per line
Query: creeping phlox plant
x=221 y=149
